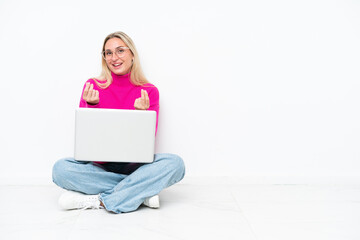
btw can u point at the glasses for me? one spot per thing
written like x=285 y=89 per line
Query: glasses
x=119 y=51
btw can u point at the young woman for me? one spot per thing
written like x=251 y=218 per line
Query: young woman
x=117 y=187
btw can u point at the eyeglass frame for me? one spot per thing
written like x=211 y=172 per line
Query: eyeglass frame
x=112 y=53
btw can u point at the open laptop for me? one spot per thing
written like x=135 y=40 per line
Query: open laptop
x=114 y=135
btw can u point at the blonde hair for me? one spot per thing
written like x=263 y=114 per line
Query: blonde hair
x=137 y=76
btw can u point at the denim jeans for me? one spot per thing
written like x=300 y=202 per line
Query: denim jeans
x=121 y=187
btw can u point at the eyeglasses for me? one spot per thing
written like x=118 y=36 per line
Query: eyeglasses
x=119 y=51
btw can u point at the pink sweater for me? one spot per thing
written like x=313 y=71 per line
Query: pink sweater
x=121 y=94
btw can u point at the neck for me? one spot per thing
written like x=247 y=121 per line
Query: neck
x=121 y=79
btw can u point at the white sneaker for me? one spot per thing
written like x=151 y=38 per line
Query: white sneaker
x=152 y=202
x=75 y=200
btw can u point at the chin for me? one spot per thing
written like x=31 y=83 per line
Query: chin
x=119 y=71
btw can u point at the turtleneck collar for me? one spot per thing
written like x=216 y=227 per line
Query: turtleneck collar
x=121 y=79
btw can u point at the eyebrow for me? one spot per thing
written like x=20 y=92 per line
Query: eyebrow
x=115 y=48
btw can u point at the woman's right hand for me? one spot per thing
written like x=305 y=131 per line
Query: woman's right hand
x=90 y=95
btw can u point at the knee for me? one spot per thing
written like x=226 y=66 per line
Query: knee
x=177 y=165
x=59 y=170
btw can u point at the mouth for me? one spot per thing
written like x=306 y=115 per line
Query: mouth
x=117 y=65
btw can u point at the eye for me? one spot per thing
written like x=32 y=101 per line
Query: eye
x=108 y=53
x=120 y=50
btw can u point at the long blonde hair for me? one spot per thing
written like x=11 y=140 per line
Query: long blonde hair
x=137 y=76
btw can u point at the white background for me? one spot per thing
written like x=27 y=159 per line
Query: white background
x=249 y=89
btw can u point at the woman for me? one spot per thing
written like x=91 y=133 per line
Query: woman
x=117 y=187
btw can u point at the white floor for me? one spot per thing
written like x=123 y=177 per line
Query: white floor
x=192 y=211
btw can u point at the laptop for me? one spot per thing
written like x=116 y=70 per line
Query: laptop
x=114 y=135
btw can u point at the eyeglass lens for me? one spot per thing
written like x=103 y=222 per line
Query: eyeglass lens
x=120 y=52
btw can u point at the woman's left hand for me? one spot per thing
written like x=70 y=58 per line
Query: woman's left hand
x=143 y=102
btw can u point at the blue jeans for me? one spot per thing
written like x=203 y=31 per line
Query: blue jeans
x=121 y=187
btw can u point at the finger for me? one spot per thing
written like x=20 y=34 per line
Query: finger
x=136 y=103
x=97 y=95
x=142 y=94
x=91 y=90
x=147 y=99
x=86 y=90
x=93 y=94
x=144 y=97
x=87 y=85
x=140 y=104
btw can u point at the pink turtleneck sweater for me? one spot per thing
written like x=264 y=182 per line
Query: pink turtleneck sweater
x=121 y=94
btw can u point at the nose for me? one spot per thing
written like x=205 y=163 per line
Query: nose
x=114 y=55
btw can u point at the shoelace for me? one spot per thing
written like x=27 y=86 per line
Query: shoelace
x=92 y=202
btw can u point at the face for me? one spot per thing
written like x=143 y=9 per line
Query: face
x=118 y=65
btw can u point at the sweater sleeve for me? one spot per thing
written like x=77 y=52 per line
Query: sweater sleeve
x=83 y=103
x=154 y=97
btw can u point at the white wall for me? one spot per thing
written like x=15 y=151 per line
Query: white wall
x=248 y=88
